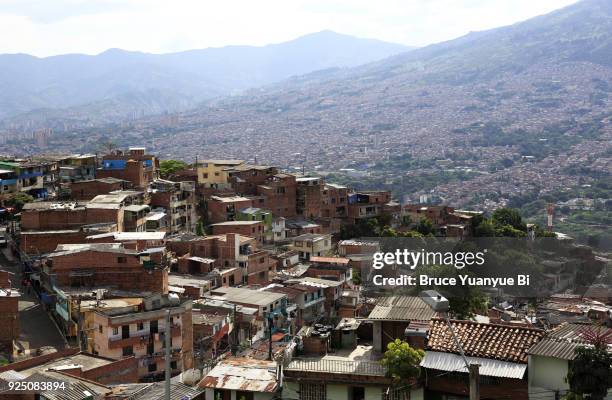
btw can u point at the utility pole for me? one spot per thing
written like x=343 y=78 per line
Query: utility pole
x=79 y=324
x=439 y=304
x=270 y=338
x=474 y=382
x=233 y=336
x=168 y=340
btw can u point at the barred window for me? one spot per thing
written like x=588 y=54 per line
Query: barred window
x=313 y=391
x=395 y=394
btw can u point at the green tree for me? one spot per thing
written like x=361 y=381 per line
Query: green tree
x=18 y=200
x=402 y=361
x=484 y=229
x=425 y=227
x=509 y=231
x=590 y=373
x=200 y=228
x=167 y=167
x=508 y=216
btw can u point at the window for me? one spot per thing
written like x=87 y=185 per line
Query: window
x=313 y=391
x=395 y=394
x=128 y=351
x=100 y=328
x=140 y=326
x=116 y=330
x=121 y=260
x=152 y=367
x=173 y=365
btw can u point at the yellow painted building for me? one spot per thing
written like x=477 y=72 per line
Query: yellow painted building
x=215 y=172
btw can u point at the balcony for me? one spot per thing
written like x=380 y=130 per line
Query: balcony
x=314 y=302
x=130 y=341
x=141 y=338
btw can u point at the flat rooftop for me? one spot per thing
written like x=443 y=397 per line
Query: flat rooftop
x=247 y=296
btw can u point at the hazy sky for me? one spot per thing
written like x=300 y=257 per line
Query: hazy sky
x=48 y=27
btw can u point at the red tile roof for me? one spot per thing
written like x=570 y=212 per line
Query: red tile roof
x=499 y=342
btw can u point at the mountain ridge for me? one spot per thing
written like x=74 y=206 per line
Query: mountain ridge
x=70 y=80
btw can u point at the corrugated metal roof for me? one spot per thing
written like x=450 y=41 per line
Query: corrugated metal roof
x=178 y=391
x=401 y=308
x=242 y=374
x=337 y=366
x=488 y=367
x=554 y=348
x=563 y=340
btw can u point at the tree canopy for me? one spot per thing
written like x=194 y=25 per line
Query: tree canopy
x=402 y=361
x=167 y=167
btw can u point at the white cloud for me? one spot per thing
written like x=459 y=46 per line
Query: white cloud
x=47 y=27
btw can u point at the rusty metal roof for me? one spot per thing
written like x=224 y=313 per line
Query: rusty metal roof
x=244 y=374
x=401 y=308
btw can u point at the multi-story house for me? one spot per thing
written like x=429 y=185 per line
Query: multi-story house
x=228 y=251
x=105 y=264
x=141 y=330
x=77 y=167
x=254 y=229
x=134 y=166
x=309 y=245
x=226 y=208
x=258 y=214
x=279 y=195
x=215 y=173
x=179 y=203
x=309 y=196
x=37 y=178
x=245 y=178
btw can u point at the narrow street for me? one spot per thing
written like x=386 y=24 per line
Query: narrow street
x=36 y=327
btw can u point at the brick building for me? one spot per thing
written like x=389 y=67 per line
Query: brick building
x=178 y=201
x=79 y=364
x=309 y=196
x=245 y=178
x=254 y=229
x=47 y=216
x=104 y=264
x=134 y=166
x=334 y=201
x=88 y=189
x=42 y=242
x=140 y=331
x=229 y=251
x=9 y=313
x=367 y=204
x=225 y=208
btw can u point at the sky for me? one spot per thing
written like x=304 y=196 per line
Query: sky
x=51 y=27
